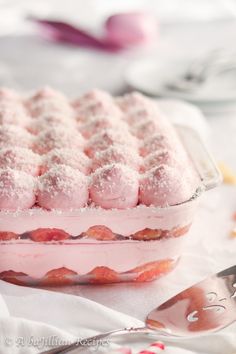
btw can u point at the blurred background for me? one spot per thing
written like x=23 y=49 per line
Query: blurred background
x=155 y=46
x=186 y=29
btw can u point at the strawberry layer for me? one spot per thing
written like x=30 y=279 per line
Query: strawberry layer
x=36 y=259
x=123 y=222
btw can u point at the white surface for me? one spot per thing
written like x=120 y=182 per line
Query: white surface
x=27 y=62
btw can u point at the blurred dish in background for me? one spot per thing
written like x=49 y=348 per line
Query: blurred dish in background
x=154 y=77
x=216 y=63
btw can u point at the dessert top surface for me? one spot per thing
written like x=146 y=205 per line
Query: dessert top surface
x=92 y=151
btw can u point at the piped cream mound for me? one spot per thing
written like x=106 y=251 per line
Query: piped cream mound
x=141 y=114
x=12 y=135
x=95 y=103
x=155 y=143
x=58 y=137
x=52 y=120
x=93 y=151
x=91 y=97
x=115 y=186
x=47 y=101
x=17 y=190
x=70 y=157
x=62 y=187
x=107 y=138
x=161 y=157
x=163 y=186
x=8 y=95
x=117 y=154
x=46 y=93
x=132 y=102
x=21 y=159
x=98 y=123
x=13 y=113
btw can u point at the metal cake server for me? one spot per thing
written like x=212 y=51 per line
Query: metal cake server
x=205 y=307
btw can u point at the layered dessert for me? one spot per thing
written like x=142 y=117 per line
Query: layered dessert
x=95 y=189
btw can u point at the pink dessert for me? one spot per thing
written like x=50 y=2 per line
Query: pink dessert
x=133 y=101
x=46 y=93
x=91 y=97
x=117 y=153
x=48 y=101
x=115 y=187
x=163 y=186
x=17 y=190
x=9 y=95
x=108 y=137
x=155 y=143
x=160 y=157
x=13 y=113
x=95 y=103
x=21 y=159
x=52 y=120
x=69 y=157
x=96 y=124
x=62 y=187
x=12 y=135
x=58 y=137
x=147 y=128
x=140 y=115
x=95 y=189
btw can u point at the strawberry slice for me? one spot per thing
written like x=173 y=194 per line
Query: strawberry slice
x=7 y=236
x=59 y=277
x=103 y=275
x=100 y=232
x=147 y=235
x=13 y=277
x=152 y=270
x=45 y=235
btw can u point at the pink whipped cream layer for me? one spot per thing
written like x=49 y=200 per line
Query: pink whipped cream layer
x=37 y=259
x=93 y=151
x=122 y=222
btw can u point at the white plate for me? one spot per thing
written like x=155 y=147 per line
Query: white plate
x=152 y=76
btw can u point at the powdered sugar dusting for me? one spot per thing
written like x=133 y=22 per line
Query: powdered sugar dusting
x=108 y=137
x=20 y=159
x=58 y=137
x=36 y=126
x=13 y=113
x=70 y=157
x=117 y=154
x=114 y=186
x=97 y=123
x=17 y=189
x=62 y=187
x=12 y=135
x=163 y=186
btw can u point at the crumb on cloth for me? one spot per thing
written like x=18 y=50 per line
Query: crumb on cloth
x=229 y=176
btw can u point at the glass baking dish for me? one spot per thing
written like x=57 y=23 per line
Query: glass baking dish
x=96 y=246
